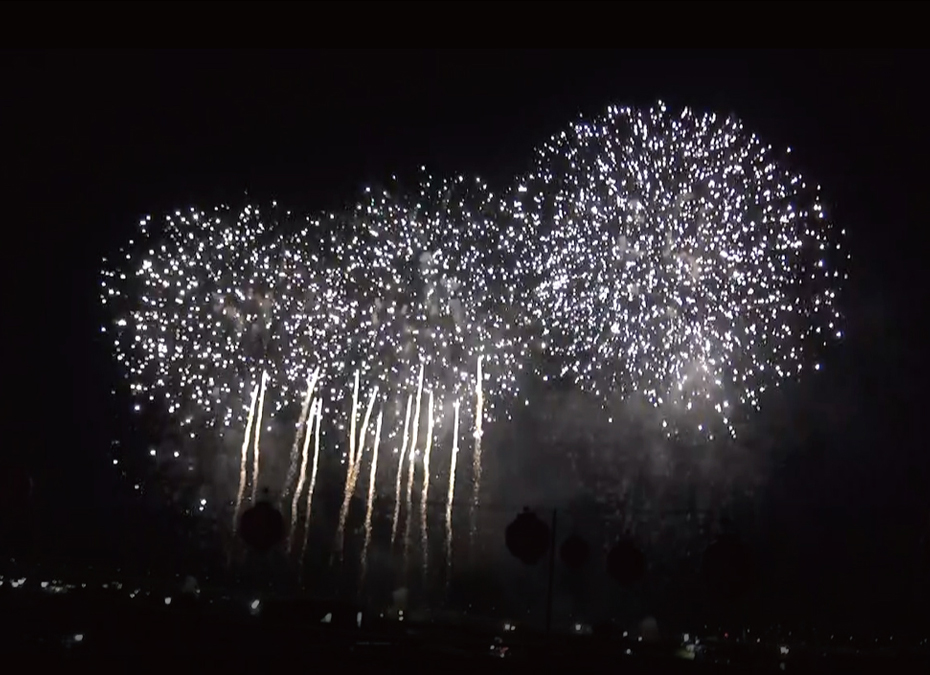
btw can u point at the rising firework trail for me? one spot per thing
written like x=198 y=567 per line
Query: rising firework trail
x=244 y=458
x=304 y=457
x=256 y=451
x=427 y=477
x=315 y=416
x=411 y=463
x=479 y=432
x=400 y=470
x=302 y=421
x=450 y=498
x=373 y=473
x=352 y=476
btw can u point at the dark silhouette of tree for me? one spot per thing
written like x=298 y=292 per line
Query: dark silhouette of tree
x=527 y=538
x=262 y=526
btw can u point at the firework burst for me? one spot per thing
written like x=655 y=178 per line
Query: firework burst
x=434 y=282
x=203 y=302
x=680 y=260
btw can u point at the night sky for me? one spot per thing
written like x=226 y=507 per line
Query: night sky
x=92 y=141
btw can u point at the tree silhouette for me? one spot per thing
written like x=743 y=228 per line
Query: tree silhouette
x=527 y=538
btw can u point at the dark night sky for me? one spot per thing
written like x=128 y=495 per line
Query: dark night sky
x=91 y=141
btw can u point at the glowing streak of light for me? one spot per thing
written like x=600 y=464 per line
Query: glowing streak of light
x=411 y=465
x=371 y=493
x=301 y=422
x=424 y=497
x=479 y=431
x=302 y=479
x=258 y=434
x=317 y=416
x=365 y=421
x=400 y=470
x=350 y=465
x=352 y=479
x=244 y=458
x=450 y=497
x=352 y=422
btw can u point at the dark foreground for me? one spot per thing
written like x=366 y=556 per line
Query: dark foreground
x=118 y=631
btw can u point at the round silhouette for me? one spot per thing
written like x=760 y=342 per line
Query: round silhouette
x=262 y=527
x=574 y=552
x=626 y=564
x=527 y=538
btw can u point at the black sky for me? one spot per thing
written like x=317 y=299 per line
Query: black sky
x=93 y=140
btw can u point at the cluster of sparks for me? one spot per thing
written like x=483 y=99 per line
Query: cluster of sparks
x=433 y=288
x=669 y=257
x=207 y=301
x=679 y=261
